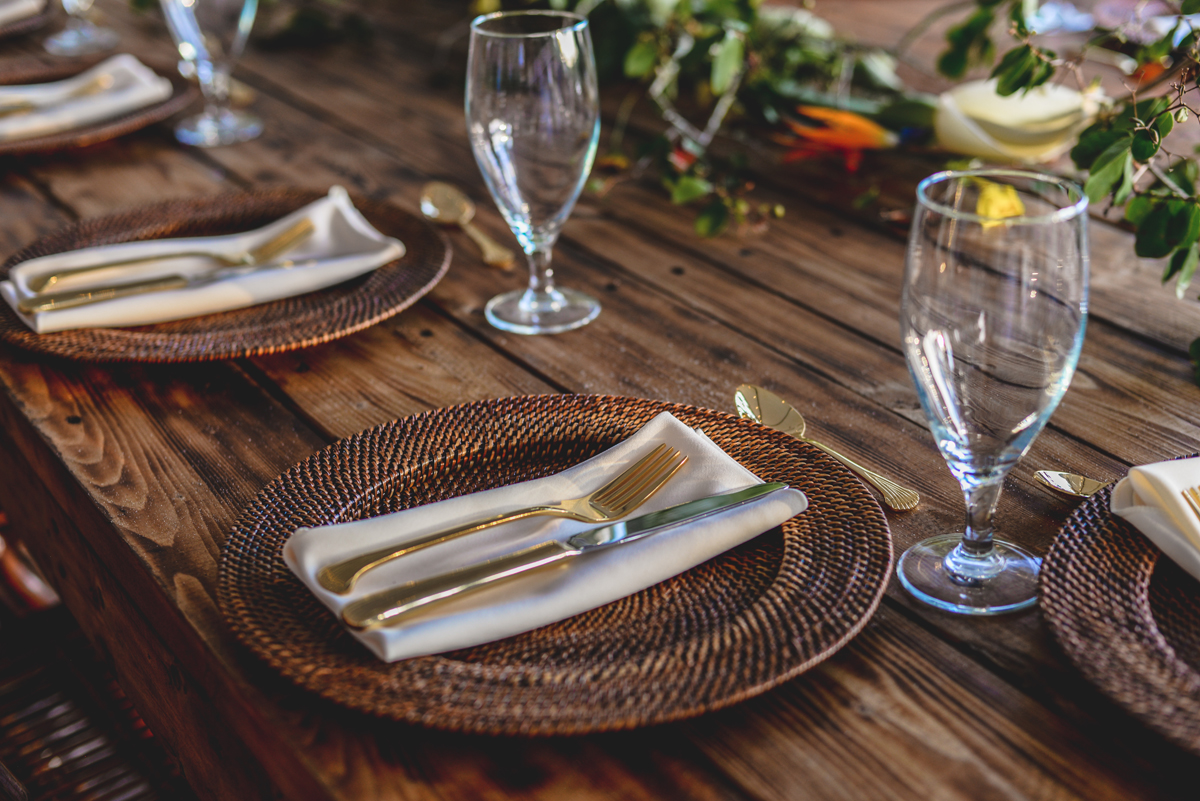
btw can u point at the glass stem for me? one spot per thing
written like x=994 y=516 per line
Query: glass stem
x=981 y=508
x=974 y=560
x=541 y=274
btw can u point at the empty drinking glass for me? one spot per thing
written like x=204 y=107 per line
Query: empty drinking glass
x=81 y=36
x=533 y=116
x=992 y=317
x=211 y=34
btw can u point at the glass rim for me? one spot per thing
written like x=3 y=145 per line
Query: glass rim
x=1063 y=213
x=578 y=23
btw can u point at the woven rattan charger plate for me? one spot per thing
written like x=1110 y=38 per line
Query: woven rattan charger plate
x=724 y=631
x=286 y=324
x=28 y=24
x=85 y=136
x=1128 y=617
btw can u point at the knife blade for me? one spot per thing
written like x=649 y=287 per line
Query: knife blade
x=386 y=607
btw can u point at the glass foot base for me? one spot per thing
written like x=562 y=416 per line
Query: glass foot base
x=224 y=128
x=527 y=312
x=81 y=40
x=1006 y=582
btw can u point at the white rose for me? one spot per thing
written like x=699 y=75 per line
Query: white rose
x=1038 y=125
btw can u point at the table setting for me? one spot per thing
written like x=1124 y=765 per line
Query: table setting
x=363 y=511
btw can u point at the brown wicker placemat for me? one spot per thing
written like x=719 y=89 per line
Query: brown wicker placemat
x=281 y=325
x=184 y=95
x=1128 y=618
x=722 y=632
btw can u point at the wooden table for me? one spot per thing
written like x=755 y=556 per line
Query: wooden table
x=125 y=480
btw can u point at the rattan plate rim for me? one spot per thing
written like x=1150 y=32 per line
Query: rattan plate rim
x=29 y=24
x=844 y=543
x=283 y=325
x=184 y=95
x=1095 y=592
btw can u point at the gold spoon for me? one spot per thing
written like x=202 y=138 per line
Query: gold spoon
x=1070 y=483
x=764 y=406
x=447 y=205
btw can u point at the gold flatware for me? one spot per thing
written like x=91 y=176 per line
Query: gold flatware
x=96 y=84
x=614 y=500
x=447 y=205
x=265 y=253
x=1192 y=496
x=383 y=608
x=764 y=406
x=1070 y=483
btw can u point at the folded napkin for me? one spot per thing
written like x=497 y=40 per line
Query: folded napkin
x=1151 y=498
x=129 y=85
x=342 y=246
x=548 y=594
x=15 y=10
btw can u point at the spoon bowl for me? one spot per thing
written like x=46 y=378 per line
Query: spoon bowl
x=447 y=204
x=772 y=411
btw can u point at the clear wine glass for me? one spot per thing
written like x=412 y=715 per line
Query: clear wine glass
x=211 y=34
x=992 y=316
x=533 y=116
x=81 y=36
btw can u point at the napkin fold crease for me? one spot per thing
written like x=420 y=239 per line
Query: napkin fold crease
x=550 y=594
x=1151 y=498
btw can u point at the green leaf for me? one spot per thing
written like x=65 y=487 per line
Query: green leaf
x=1107 y=170
x=1163 y=123
x=1151 y=242
x=689 y=188
x=1125 y=187
x=1092 y=142
x=968 y=42
x=1190 y=7
x=1014 y=70
x=641 y=59
x=1184 y=262
x=713 y=219
x=1145 y=145
x=1184 y=228
x=1138 y=208
x=727 y=63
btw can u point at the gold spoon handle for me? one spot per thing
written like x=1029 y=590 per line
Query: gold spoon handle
x=494 y=254
x=894 y=495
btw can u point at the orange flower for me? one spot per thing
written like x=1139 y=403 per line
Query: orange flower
x=826 y=131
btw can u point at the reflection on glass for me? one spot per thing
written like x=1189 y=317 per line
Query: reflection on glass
x=81 y=36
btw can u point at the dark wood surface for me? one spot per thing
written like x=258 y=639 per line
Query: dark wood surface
x=125 y=479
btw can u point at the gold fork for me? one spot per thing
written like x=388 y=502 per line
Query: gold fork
x=282 y=242
x=97 y=84
x=1192 y=496
x=614 y=500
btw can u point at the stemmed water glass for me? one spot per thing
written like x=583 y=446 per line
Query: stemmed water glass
x=81 y=36
x=533 y=116
x=210 y=35
x=992 y=317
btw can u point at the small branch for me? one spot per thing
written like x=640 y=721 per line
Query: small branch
x=1162 y=176
x=914 y=33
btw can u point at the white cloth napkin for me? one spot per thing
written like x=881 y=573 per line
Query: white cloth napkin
x=132 y=85
x=342 y=246
x=14 y=10
x=548 y=594
x=1151 y=498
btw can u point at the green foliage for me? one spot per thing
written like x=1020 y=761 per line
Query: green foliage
x=1023 y=68
x=970 y=43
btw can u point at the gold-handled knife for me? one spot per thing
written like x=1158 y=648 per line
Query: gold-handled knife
x=54 y=301
x=384 y=608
